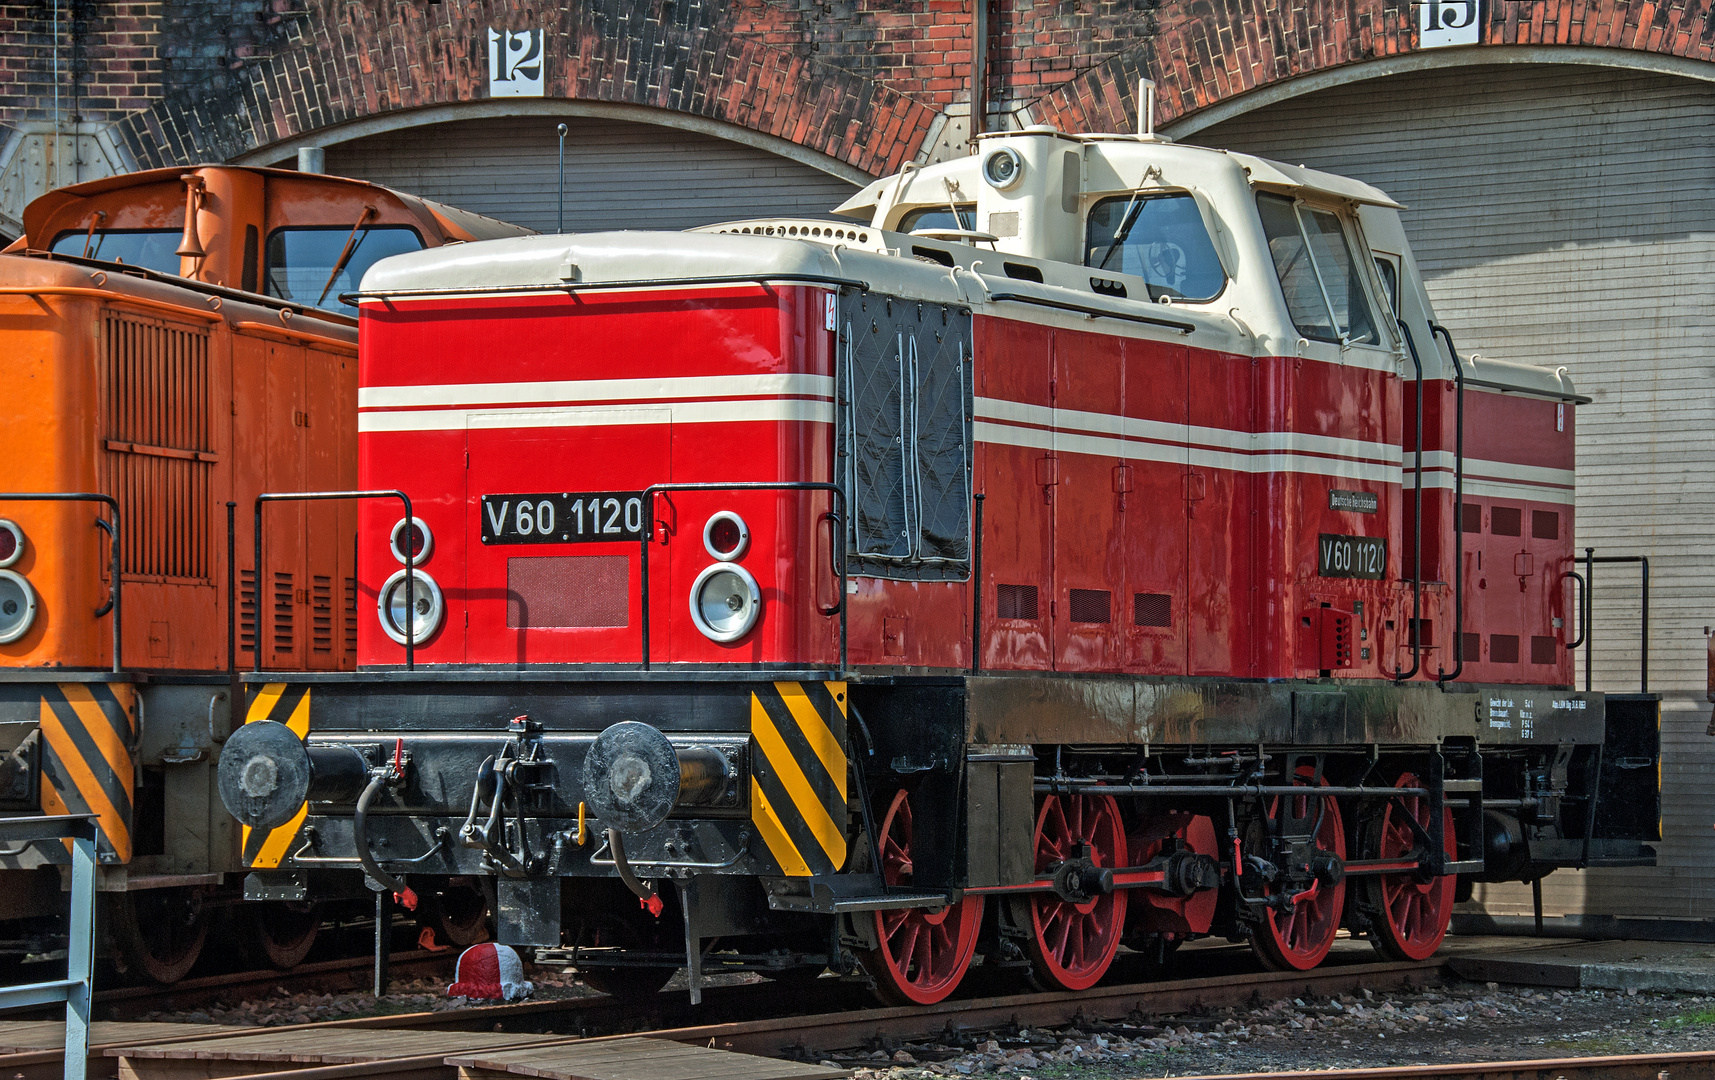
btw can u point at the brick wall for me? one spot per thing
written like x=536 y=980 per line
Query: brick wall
x=860 y=80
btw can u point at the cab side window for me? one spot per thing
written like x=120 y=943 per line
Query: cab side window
x=314 y=265
x=1318 y=272
x=1159 y=238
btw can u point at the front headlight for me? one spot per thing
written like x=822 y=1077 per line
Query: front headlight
x=725 y=602
x=11 y=542
x=430 y=607
x=17 y=606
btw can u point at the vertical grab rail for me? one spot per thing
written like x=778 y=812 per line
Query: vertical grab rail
x=649 y=494
x=1416 y=624
x=77 y=987
x=1446 y=677
x=322 y=496
x=1590 y=559
x=113 y=599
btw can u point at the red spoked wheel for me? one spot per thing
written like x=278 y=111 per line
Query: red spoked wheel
x=1409 y=914
x=1298 y=938
x=923 y=954
x=1071 y=945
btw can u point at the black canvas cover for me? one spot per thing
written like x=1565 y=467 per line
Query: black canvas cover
x=905 y=436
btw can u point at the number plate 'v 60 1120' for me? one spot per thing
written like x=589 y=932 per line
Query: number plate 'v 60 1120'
x=562 y=517
x=1351 y=556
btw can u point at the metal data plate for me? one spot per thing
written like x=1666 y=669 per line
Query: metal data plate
x=562 y=517
x=1351 y=556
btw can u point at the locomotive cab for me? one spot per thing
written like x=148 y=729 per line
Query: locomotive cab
x=1063 y=548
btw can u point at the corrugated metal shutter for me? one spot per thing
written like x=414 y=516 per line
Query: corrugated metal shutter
x=618 y=175
x=1563 y=216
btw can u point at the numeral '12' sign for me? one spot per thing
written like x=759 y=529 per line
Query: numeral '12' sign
x=515 y=63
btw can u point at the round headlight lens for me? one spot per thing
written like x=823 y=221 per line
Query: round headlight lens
x=17 y=606
x=725 y=602
x=726 y=536
x=11 y=542
x=413 y=536
x=1003 y=167
x=429 y=608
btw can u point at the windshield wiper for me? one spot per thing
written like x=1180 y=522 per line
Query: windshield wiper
x=351 y=245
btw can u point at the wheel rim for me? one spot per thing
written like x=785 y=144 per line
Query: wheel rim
x=461 y=913
x=1072 y=945
x=1299 y=938
x=923 y=955
x=286 y=930
x=1412 y=915
x=166 y=933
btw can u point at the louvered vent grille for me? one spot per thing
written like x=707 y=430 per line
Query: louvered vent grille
x=247 y=610
x=321 y=614
x=350 y=622
x=281 y=633
x=159 y=445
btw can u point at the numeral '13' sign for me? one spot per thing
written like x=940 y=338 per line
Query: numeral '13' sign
x=1448 y=22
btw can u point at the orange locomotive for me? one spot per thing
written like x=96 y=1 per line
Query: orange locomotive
x=173 y=340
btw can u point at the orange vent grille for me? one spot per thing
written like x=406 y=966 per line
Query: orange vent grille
x=159 y=444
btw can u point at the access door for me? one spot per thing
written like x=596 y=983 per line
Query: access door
x=1154 y=489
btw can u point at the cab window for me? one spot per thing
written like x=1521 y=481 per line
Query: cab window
x=152 y=249
x=1318 y=272
x=940 y=218
x=1159 y=238
x=312 y=265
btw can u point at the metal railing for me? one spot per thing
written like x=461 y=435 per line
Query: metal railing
x=1587 y=634
x=112 y=529
x=76 y=988
x=322 y=496
x=839 y=541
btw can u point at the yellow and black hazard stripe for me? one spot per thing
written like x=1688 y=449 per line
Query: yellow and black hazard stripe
x=798 y=774
x=287 y=704
x=89 y=739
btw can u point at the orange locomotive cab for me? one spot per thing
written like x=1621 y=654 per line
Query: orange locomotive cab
x=175 y=342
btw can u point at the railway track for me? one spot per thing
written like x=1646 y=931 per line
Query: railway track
x=805 y=1021
x=809 y=1023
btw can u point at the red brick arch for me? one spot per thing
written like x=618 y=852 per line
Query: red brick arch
x=864 y=82
x=1207 y=52
x=343 y=61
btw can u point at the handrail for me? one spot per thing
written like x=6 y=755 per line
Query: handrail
x=1590 y=561
x=103 y=294
x=1415 y=627
x=76 y=989
x=1445 y=677
x=320 y=496
x=1583 y=620
x=1095 y=312
x=649 y=494
x=594 y=286
x=113 y=600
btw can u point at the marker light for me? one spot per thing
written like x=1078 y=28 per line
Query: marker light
x=422 y=541
x=726 y=536
x=11 y=542
x=1003 y=168
x=17 y=606
x=725 y=602
x=426 y=599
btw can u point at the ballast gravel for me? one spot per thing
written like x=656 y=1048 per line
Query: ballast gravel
x=1443 y=1024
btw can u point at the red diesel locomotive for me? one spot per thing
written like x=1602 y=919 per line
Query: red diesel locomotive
x=1098 y=542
